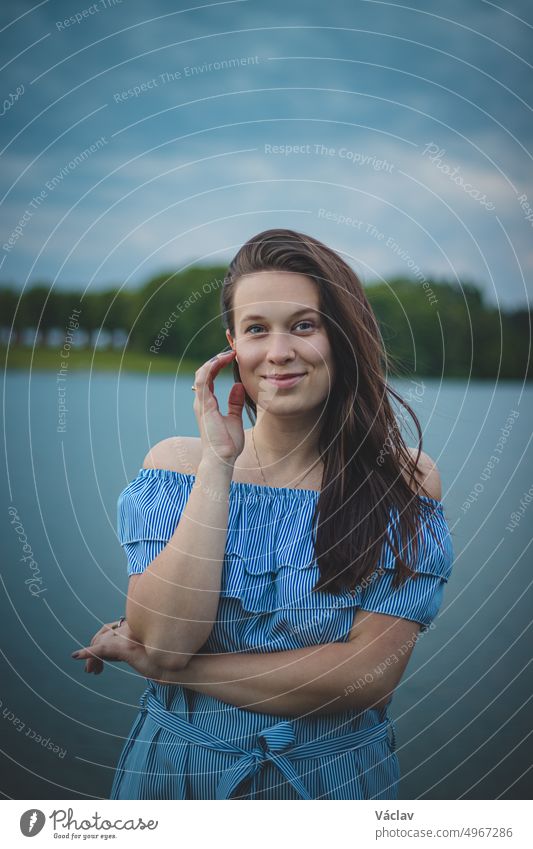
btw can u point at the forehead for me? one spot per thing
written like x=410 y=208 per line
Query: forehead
x=275 y=293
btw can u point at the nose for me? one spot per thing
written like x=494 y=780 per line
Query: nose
x=280 y=348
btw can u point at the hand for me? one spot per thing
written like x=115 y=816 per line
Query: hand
x=114 y=644
x=222 y=436
x=93 y=664
x=119 y=644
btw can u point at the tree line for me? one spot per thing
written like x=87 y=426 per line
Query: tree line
x=455 y=333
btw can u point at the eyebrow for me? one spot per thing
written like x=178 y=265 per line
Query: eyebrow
x=261 y=317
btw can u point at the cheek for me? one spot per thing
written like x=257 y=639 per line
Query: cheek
x=247 y=357
x=320 y=353
x=323 y=358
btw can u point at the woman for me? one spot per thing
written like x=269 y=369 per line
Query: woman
x=279 y=575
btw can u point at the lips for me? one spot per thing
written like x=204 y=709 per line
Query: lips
x=284 y=381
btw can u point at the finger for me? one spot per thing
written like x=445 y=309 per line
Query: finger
x=103 y=630
x=236 y=400
x=212 y=368
x=83 y=654
x=94 y=664
x=205 y=375
x=97 y=636
x=97 y=667
x=96 y=653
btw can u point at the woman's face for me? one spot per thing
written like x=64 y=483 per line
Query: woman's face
x=279 y=331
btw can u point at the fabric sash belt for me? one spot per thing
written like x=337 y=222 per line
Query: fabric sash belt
x=276 y=745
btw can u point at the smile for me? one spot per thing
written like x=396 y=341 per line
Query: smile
x=285 y=382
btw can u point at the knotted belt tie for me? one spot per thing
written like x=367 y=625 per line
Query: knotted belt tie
x=276 y=744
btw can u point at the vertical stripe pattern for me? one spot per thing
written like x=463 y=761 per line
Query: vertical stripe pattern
x=267 y=605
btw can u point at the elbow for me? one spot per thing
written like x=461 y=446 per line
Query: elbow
x=168 y=660
x=368 y=697
x=172 y=652
x=380 y=703
x=375 y=698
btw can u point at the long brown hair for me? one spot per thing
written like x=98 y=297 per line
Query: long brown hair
x=360 y=441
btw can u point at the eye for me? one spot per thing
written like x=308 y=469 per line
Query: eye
x=252 y=326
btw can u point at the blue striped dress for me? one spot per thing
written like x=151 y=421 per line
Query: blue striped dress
x=188 y=745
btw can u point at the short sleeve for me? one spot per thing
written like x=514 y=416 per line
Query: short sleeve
x=420 y=597
x=148 y=512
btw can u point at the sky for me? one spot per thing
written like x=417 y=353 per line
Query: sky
x=140 y=138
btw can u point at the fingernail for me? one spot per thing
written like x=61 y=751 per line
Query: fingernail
x=75 y=654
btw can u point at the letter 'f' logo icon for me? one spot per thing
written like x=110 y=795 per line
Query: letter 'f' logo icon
x=32 y=822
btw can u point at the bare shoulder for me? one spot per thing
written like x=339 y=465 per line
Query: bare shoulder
x=427 y=475
x=177 y=454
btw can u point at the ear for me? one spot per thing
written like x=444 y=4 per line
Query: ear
x=231 y=341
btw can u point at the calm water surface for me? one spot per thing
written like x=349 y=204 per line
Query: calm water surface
x=463 y=710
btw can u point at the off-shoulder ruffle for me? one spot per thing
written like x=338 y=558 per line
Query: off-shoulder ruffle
x=150 y=506
x=269 y=564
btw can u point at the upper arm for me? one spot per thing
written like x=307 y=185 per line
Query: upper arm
x=133 y=579
x=386 y=639
x=384 y=643
x=427 y=475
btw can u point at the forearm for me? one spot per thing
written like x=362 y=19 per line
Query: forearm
x=173 y=605
x=317 y=679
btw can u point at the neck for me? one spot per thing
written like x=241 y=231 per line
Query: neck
x=286 y=446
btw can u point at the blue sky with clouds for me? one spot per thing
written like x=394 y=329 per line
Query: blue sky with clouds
x=141 y=137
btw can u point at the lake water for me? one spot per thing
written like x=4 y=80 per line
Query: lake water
x=463 y=709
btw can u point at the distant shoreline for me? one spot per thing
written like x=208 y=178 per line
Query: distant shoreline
x=49 y=359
